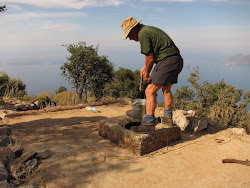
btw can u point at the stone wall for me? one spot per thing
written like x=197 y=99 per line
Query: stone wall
x=17 y=167
x=137 y=142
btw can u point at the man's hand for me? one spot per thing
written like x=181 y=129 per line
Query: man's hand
x=142 y=71
x=145 y=77
x=149 y=62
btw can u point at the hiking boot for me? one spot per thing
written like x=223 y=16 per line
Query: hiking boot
x=147 y=124
x=148 y=120
x=167 y=121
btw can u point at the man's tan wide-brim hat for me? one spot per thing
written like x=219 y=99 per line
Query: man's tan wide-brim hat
x=128 y=24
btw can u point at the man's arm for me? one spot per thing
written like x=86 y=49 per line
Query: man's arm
x=149 y=62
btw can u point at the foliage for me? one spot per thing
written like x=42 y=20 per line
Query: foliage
x=4 y=80
x=10 y=87
x=3 y=8
x=230 y=108
x=102 y=73
x=26 y=98
x=224 y=104
x=86 y=71
x=183 y=97
x=61 y=89
x=125 y=83
x=46 y=94
x=43 y=101
x=66 y=98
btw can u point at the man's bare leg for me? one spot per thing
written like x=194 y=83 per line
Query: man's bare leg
x=150 y=92
x=168 y=98
x=148 y=121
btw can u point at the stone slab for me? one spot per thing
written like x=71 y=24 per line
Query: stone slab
x=139 y=143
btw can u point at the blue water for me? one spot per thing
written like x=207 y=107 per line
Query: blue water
x=213 y=69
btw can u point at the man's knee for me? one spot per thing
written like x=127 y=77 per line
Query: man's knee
x=151 y=90
x=167 y=89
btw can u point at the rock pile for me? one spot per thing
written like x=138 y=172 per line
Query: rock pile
x=188 y=121
x=17 y=105
x=17 y=167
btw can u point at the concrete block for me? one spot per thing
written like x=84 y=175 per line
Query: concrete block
x=137 y=142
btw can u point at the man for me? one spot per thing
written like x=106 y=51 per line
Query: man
x=158 y=48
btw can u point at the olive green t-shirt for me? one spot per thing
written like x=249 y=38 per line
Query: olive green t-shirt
x=154 y=40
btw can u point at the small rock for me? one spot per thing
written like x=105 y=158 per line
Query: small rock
x=18 y=168
x=43 y=155
x=6 y=156
x=3 y=183
x=180 y=119
x=5 y=131
x=178 y=113
x=202 y=124
x=3 y=172
x=183 y=123
x=197 y=123
x=161 y=126
x=124 y=101
x=2 y=113
x=32 y=183
x=22 y=170
x=5 y=140
x=18 y=151
x=238 y=131
x=25 y=157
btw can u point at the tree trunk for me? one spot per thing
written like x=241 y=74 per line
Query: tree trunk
x=80 y=93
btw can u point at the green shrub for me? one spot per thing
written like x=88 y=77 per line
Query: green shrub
x=43 y=101
x=66 y=98
x=224 y=104
x=10 y=87
x=45 y=94
x=26 y=98
x=125 y=83
x=61 y=89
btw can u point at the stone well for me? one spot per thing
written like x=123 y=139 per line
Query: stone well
x=118 y=131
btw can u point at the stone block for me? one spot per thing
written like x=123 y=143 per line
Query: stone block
x=137 y=142
x=197 y=123
x=5 y=131
x=3 y=172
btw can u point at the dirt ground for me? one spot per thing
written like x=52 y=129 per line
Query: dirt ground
x=81 y=158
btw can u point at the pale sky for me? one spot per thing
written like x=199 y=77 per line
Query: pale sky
x=33 y=31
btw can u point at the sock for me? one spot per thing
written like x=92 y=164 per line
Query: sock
x=167 y=113
x=148 y=120
x=148 y=116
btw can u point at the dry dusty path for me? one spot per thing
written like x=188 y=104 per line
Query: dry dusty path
x=81 y=158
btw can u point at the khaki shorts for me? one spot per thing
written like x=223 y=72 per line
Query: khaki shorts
x=166 y=71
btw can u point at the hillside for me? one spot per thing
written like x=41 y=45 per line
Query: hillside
x=81 y=158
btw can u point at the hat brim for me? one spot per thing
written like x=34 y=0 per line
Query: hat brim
x=127 y=33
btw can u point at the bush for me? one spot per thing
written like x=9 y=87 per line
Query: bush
x=26 y=98
x=125 y=83
x=43 y=101
x=224 y=104
x=45 y=94
x=10 y=87
x=66 y=98
x=61 y=89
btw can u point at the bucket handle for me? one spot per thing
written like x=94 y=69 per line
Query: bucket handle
x=140 y=84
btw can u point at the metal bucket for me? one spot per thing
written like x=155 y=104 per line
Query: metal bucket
x=138 y=108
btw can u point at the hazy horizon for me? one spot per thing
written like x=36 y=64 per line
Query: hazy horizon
x=210 y=34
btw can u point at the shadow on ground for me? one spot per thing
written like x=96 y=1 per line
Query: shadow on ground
x=78 y=152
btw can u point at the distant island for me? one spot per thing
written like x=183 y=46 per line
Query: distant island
x=239 y=59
